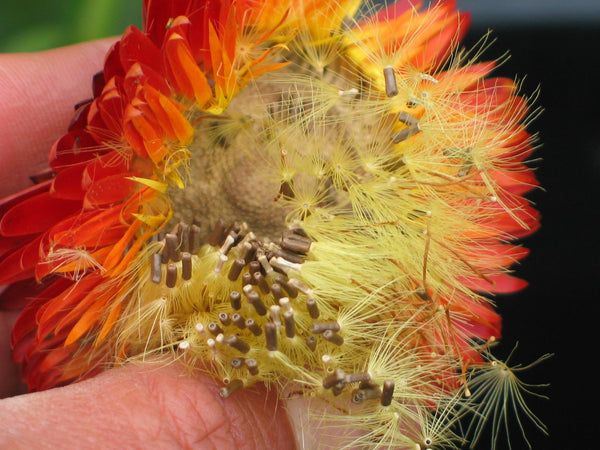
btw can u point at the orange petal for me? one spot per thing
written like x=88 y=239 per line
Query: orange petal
x=185 y=72
x=87 y=321
x=109 y=323
x=169 y=116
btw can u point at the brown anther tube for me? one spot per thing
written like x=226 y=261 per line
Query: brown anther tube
x=214 y=328
x=333 y=379
x=387 y=393
x=238 y=320
x=236 y=269
x=233 y=386
x=291 y=290
x=405 y=134
x=172 y=243
x=290 y=256
x=261 y=282
x=252 y=366
x=254 y=267
x=195 y=239
x=391 y=88
x=369 y=393
x=255 y=300
x=333 y=337
x=235 y=298
x=224 y=318
x=313 y=309
x=357 y=378
x=407 y=119
x=320 y=327
x=311 y=341
x=186 y=266
x=253 y=327
x=277 y=292
x=237 y=363
x=295 y=243
x=247 y=279
x=171 y=275
x=290 y=324
x=271 y=336
x=235 y=342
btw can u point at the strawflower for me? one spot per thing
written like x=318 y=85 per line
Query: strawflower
x=315 y=194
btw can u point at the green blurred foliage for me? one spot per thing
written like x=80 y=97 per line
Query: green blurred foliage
x=32 y=25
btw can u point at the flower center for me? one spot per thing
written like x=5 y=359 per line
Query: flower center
x=288 y=144
x=229 y=176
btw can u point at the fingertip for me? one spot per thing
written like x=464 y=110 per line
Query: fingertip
x=318 y=424
x=149 y=405
x=251 y=418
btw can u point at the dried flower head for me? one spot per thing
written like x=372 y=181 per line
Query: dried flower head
x=312 y=194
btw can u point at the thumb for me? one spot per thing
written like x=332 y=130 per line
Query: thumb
x=143 y=406
x=38 y=91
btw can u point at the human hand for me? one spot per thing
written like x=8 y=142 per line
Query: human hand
x=158 y=405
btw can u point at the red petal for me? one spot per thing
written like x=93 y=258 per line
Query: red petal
x=438 y=48
x=157 y=13
x=141 y=75
x=8 y=202
x=79 y=120
x=102 y=167
x=73 y=148
x=112 y=63
x=136 y=47
x=36 y=215
x=88 y=229
x=20 y=264
x=110 y=107
x=518 y=180
x=67 y=183
x=499 y=284
x=26 y=323
x=19 y=294
x=98 y=82
x=54 y=358
x=493 y=255
x=393 y=11
x=11 y=244
x=473 y=318
x=109 y=190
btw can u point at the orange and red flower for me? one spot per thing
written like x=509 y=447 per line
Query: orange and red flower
x=398 y=168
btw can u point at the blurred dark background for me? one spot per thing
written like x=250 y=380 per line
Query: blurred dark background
x=554 y=45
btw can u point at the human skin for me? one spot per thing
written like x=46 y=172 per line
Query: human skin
x=136 y=406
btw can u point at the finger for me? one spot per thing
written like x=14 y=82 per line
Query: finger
x=318 y=424
x=38 y=91
x=146 y=406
